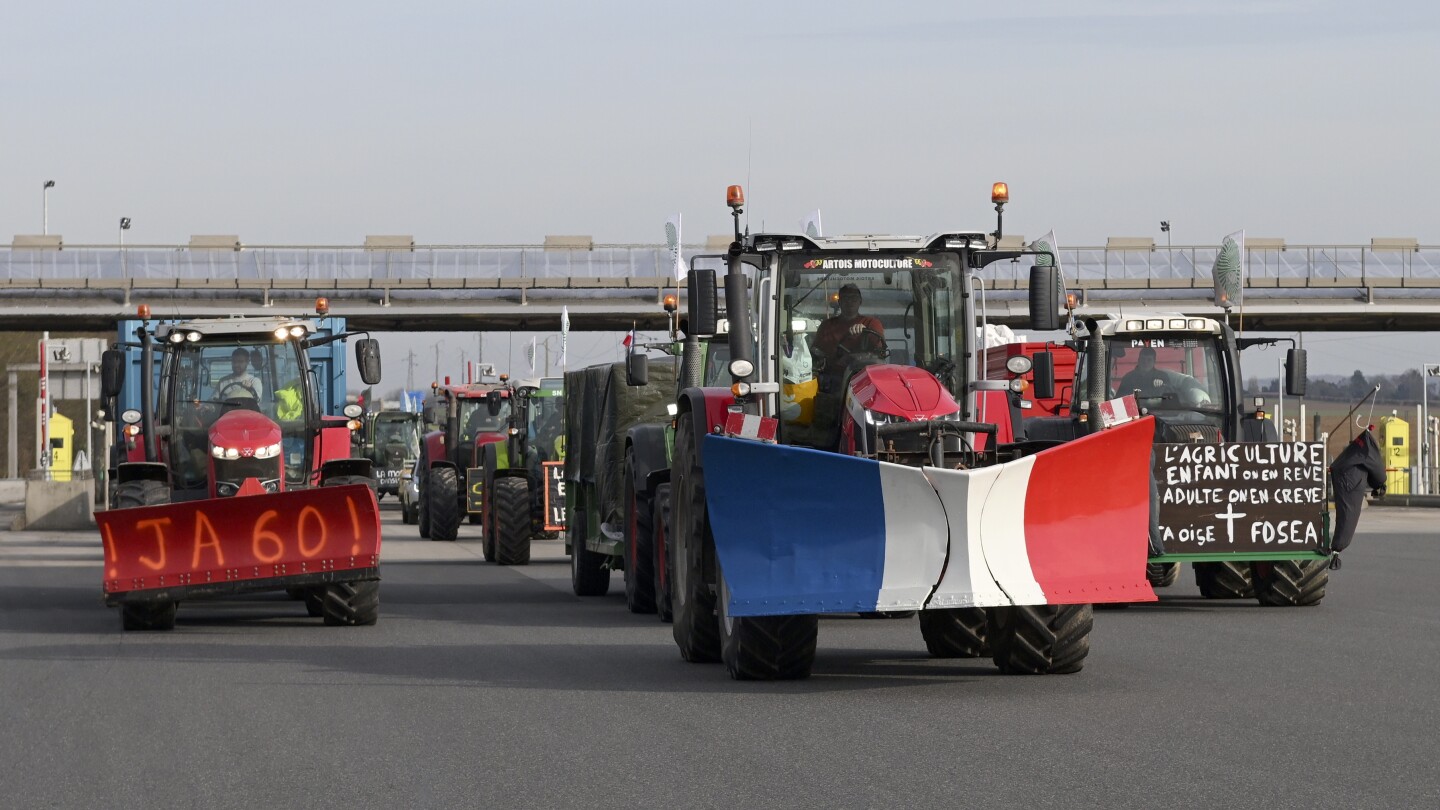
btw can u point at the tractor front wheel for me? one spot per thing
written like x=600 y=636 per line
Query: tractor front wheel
x=696 y=631
x=132 y=494
x=1291 y=583
x=148 y=615
x=955 y=632
x=442 y=504
x=510 y=503
x=1162 y=575
x=1224 y=580
x=1040 y=639
x=765 y=648
x=639 y=539
x=351 y=603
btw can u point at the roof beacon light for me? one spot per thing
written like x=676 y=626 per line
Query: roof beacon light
x=1000 y=193
x=143 y=311
x=322 y=305
x=734 y=196
x=670 y=303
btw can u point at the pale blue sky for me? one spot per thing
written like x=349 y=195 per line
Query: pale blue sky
x=477 y=122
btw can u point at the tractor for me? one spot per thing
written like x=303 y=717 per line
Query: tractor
x=391 y=440
x=856 y=476
x=517 y=471
x=461 y=420
x=233 y=479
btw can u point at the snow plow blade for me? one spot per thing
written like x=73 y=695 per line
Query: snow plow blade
x=801 y=531
x=255 y=542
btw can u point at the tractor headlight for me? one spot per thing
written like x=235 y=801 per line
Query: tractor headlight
x=353 y=411
x=193 y=337
x=130 y=416
x=217 y=451
x=742 y=368
x=268 y=451
x=176 y=337
x=1019 y=364
x=232 y=453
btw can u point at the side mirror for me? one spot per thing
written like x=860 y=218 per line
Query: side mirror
x=637 y=369
x=703 y=311
x=494 y=403
x=1295 y=373
x=367 y=356
x=112 y=373
x=1044 y=372
x=1044 y=298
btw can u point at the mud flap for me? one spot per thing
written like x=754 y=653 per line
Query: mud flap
x=200 y=544
x=804 y=531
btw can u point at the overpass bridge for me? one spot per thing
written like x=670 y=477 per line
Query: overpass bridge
x=1386 y=285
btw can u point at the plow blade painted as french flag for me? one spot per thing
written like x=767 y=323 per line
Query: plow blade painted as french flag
x=803 y=531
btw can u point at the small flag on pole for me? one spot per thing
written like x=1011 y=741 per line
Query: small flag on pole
x=673 y=243
x=629 y=338
x=564 y=336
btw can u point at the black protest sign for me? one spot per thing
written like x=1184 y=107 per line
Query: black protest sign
x=1261 y=497
x=554 y=496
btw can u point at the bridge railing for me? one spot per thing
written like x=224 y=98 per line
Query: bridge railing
x=1113 y=268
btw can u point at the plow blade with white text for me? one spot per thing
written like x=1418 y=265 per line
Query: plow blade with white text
x=801 y=531
x=254 y=542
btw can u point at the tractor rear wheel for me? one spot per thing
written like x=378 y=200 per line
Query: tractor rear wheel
x=1040 y=639
x=132 y=494
x=1162 y=575
x=1291 y=583
x=510 y=503
x=1224 y=580
x=696 y=631
x=955 y=632
x=148 y=615
x=351 y=603
x=588 y=574
x=765 y=648
x=639 y=544
x=660 y=559
x=442 y=504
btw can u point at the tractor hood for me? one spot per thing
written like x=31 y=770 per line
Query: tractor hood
x=904 y=391
x=245 y=434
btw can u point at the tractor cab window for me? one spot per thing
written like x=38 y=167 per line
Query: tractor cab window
x=1176 y=372
x=397 y=437
x=547 y=424
x=849 y=311
x=475 y=417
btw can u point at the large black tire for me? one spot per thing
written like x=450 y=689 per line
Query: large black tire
x=639 y=544
x=148 y=615
x=1224 y=580
x=588 y=574
x=132 y=494
x=766 y=648
x=660 y=559
x=696 y=629
x=351 y=603
x=510 y=503
x=442 y=503
x=409 y=515
x=1291 y=583
x=1040 y=639
x=346 y=480
x=955 y=632
x=1162 y=575
x=422 y=513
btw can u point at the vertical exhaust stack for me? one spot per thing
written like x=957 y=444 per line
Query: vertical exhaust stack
x=742 y=341
x=1095 y=363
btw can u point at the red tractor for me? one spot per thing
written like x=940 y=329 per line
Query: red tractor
x=462 y=419
x=234 y=480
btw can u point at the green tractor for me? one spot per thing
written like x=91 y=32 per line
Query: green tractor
x=525 y=495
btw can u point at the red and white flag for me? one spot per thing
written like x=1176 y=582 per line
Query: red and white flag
x=629 y=339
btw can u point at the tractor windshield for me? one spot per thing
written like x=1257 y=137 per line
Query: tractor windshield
x=475 y=417
x=844 y=311
x=397 y=437
x=1167 y=372
x=204 y=380
x=547 y=424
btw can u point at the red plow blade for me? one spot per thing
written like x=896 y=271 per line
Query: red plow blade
x=325 y=534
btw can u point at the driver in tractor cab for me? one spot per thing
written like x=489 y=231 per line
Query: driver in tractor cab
x=847 y=333
x=239 y=383
x=1145 y=380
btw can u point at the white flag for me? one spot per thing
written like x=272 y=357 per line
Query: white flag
x=530 y=355
x=1046 y=244
x=810 y=226
x=672 y=241
x=564 y=336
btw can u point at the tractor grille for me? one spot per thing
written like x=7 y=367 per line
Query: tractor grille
x=231 y=473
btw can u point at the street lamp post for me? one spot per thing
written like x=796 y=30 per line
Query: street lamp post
x=1427 y=452
x=45 y=206
x=124 y=226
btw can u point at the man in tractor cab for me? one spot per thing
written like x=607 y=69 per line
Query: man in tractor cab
x=239 y=383
x=1147 y=381
x=847 y=333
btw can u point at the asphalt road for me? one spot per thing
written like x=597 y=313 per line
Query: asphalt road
x=486 y=686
